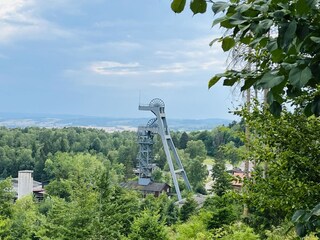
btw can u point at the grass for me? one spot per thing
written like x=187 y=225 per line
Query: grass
x=208 y=161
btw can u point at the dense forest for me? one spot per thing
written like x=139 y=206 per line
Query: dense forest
x=84 y=169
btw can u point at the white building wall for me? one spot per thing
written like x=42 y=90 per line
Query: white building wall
x=25 y=183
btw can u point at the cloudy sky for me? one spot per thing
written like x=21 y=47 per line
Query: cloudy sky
x=103 y=57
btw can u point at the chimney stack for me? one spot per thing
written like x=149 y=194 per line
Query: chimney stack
x=25 y=183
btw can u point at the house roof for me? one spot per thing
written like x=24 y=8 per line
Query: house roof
x=151 y=187
x=36 y=185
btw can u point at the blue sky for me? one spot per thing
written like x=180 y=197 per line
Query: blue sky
x=99 y=57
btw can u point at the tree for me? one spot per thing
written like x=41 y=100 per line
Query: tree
x=231 y=153
x=222 y=179
x=188 y=209
x=25 y=219
x=292 y=180
x=197 y=172
x=196 y=149
x=221 y=210
x=284 y=40
x=6 y=204
x=183 y=140
x=148 y=227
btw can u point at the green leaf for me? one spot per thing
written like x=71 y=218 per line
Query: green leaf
x=302 y=7
x=307 y=110
x=297 y=215
x=243 y=7
x=315 y=106
x=299 y=77
x=290 y=33
x=218 y=20
x=270 y=80
x=275 y=109
x=230 y=82
x=316 y=210
x=315 y=39
x=213 y=41
x=237 y=19
x=301 y=230
x=263 y=26
x=228 y=43
x=219 y=6
x=272 y=45
x=198 y=6
x=178 y=5
x=277 y=55
x=226 y=24
x=246 y=40
x=248 y=83
x=214 y=80
x=278 y=14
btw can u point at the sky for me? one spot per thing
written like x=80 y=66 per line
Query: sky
x=104 y=57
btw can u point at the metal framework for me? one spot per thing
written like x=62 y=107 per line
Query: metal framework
x=145 y=139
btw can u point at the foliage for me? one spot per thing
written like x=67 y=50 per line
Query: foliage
x=283 y=38
x=222 y=211
x=196 y=172
x=6 y=196
x=229 y=152
x=196 y=149
x=195 y=228
x=290 y=148
x=222 y=179
x=240 y=231
x=30 y=148
x=183 y=140
x=188 y=209
x=148 y=227
x=307 y=221
x=24 y=219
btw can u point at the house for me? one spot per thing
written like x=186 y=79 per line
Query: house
x=238 y=176
x=24 y=185
x=152 y=188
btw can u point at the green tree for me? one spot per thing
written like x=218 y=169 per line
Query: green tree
x=6 y=207
x=195 y=228
x=188 y=209
x=222 y=211
x=148 y=227
x=291 y=182
x=222 y=179
x=25 y=219
x=196 y=172
x=196 y=149
x=183 y=140
x=231 y=153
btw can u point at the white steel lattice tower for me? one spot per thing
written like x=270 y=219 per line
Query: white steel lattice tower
x=145 y=134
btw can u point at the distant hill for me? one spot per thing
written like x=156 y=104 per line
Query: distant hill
x=16 y=120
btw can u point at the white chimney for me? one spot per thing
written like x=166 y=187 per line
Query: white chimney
x=25 y=183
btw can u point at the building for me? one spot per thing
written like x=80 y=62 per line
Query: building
x=25 y=185
x=238 y=176
x=152 y=188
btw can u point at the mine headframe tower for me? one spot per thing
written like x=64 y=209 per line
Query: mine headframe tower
x=145 y=139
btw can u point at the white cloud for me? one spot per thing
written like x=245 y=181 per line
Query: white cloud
x=18 y=19
x=114 y=68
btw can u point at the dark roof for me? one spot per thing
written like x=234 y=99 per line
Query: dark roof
x=235 y=170
x=151 y=187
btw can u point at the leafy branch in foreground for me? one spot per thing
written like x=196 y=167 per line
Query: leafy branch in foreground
x=284 y=39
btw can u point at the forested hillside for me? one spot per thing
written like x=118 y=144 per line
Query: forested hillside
x=83 y=169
